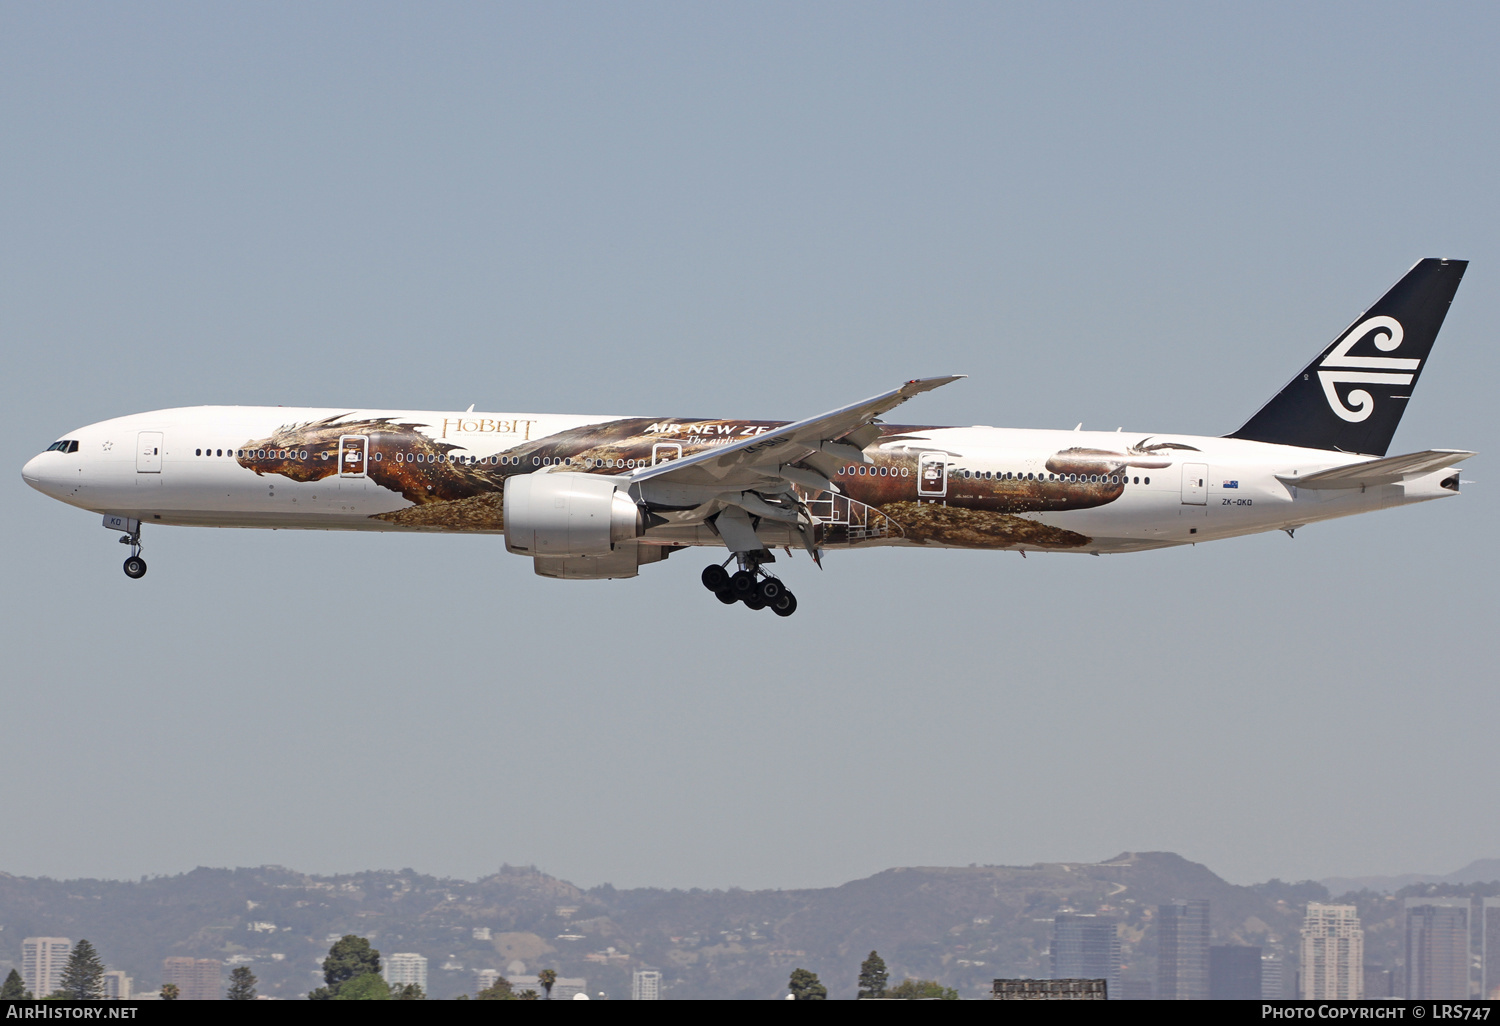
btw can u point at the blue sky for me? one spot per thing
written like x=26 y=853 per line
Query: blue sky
x=1143 y=215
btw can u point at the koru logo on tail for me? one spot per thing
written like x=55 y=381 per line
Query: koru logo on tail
x=1365 y=370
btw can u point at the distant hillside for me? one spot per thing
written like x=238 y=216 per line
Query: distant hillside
x=961 y=926
x=1478 y=871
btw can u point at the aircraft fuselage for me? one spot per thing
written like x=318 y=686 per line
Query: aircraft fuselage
x=957 y=487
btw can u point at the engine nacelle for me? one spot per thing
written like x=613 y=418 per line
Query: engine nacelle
x=568 y=514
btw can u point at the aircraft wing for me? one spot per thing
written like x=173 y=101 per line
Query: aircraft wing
x=824 y=442
x=1389 y=470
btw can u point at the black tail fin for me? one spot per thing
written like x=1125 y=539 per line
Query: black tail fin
x=1352 y=396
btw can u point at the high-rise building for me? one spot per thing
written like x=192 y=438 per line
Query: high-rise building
x=196 y=979
x=1272 y=978
x=484 y=979
x=1087 y=947
x=117 y=986
x=1332 y=954
x=645 y=985
x=1182 y=951
x=42 y=963
x=1489 y=957
x=1380 y=983
x=403 y=968
x=1437 y=949
x=1233 y=973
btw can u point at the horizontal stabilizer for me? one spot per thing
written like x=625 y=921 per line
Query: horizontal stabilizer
x=1389 y=470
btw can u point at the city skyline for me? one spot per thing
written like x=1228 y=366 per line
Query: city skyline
x=1323 y=940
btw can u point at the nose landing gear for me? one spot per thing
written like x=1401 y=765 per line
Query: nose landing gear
x=135 y=566
x=750 y=585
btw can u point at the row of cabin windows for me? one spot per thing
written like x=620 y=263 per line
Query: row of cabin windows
x=409 y=457
x=860 y=471
x=273 y=454
x=997 y=475
x=516 y=461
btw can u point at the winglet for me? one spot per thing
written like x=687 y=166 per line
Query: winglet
x=916 y=386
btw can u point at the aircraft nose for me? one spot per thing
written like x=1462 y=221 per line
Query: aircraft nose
x=41 y=474
x=32 y=472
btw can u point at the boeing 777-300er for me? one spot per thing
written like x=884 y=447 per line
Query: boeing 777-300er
x=599 y=497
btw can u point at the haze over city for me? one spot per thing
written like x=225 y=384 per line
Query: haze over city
x=1144 y=217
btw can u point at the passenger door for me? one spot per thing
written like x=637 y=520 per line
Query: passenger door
x=1195 y=484
x=354 y=454
x=148 y=452
x=932 y=474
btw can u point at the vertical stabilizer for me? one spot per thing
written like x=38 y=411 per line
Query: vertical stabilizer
x=1351 y=397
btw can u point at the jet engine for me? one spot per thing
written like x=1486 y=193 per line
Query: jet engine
x=567 y=514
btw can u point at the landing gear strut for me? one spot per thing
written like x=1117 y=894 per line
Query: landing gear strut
x=135 y=566
x=750 y=585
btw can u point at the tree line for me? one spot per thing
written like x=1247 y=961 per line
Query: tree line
x=351 y=972
x=874 y=980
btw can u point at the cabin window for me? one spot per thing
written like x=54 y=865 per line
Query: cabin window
x=1148 y=480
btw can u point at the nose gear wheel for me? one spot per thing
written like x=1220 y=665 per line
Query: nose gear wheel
x=135 y=566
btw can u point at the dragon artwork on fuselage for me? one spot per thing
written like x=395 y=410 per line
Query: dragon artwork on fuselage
x=459 y=491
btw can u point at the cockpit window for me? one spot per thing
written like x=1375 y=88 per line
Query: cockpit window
x=66 y=445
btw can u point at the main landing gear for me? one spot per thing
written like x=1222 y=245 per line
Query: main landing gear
x=135 y=566
x=750 y=585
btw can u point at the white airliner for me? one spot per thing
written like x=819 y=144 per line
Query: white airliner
x=598 y=497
